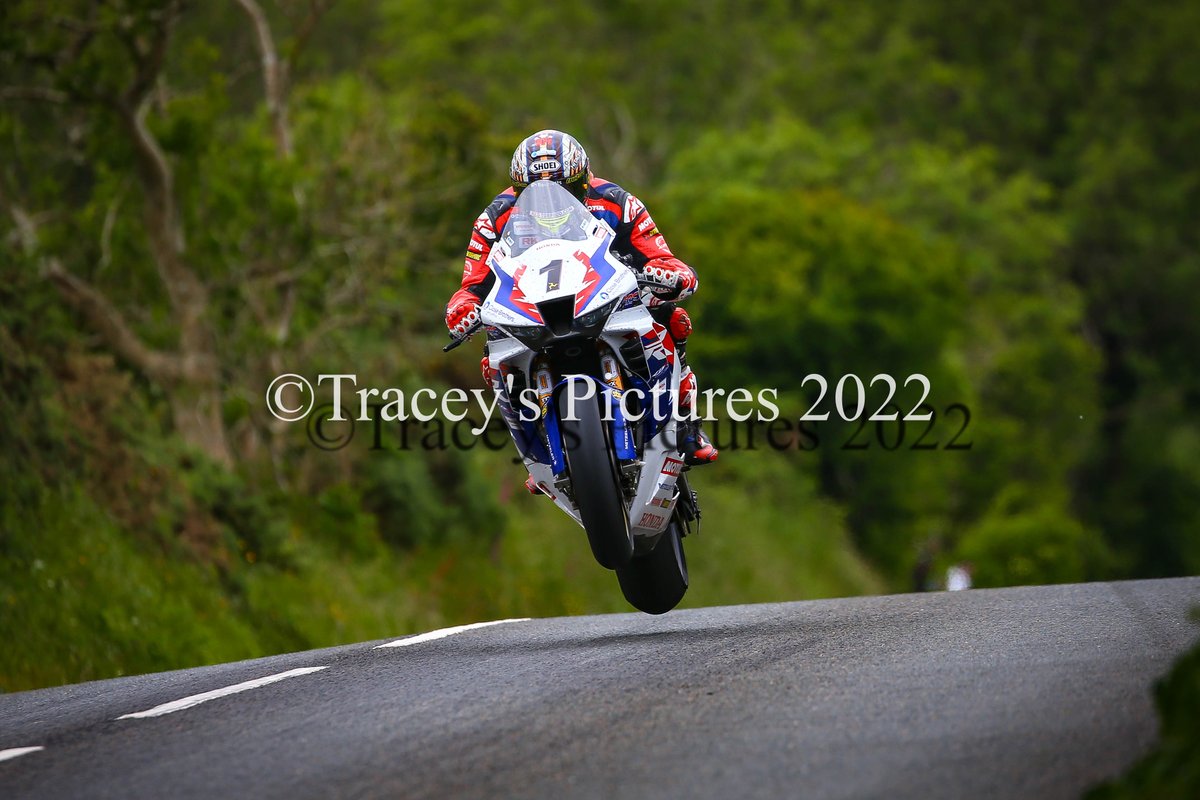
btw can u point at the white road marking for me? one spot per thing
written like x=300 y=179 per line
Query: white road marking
x=197 y=699
x=5 y=755
x=444 y=632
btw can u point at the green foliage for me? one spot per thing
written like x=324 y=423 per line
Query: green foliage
x=1026 y=539
x=1172 y=769
x=84 y=600
x=421 y=501
x=251 y=523
x=837 y=254
x=810 y=282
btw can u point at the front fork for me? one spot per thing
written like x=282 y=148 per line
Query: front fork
x=621 y=437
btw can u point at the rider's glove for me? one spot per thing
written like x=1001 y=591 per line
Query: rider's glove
x=462 y=313
x=667 y=282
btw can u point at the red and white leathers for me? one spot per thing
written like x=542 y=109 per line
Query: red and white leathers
x=665 y=279
x=638 y=241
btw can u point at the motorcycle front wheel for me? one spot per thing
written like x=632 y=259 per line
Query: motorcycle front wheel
x=596 y=484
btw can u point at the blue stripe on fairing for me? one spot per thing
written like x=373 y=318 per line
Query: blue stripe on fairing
x=504 y=295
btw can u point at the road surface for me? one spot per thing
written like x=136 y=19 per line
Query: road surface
x=1026 y=692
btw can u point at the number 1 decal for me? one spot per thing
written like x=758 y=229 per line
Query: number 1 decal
x=553 y=273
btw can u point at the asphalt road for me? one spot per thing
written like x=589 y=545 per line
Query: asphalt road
x=1028 y=692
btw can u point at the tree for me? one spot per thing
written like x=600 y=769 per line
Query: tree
x=102 y=73
x=101 y=45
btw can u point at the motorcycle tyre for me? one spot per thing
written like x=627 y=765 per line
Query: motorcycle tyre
x=596 y=485
x=657 y=581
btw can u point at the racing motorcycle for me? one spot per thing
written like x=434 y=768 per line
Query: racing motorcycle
x=587 y=384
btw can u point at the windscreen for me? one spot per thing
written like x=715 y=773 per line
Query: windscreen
x=545 y=211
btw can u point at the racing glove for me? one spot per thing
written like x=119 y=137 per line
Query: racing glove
x=462 y=313
x=667 y=282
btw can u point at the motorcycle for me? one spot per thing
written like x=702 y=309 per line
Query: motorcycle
x=587 y=384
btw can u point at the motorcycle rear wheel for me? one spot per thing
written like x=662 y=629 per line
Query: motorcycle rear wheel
x=596 y=485
x=657 y=581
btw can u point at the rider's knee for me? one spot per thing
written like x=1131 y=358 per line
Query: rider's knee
x=680 y=325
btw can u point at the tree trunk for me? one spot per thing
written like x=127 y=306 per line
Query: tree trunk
x=198 y=421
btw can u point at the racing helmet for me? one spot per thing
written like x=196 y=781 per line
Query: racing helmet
x=551 y=155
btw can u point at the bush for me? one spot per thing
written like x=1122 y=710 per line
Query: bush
x=1172 y=769
x=1022 y=540
x=422 y=499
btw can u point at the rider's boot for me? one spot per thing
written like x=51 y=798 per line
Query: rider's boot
x=695 y=446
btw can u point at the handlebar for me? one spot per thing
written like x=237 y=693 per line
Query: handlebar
x=457 y=342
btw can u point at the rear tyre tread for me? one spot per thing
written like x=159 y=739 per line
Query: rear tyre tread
x=655 y=582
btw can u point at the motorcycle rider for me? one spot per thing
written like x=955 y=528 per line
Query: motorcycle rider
x=665 y=280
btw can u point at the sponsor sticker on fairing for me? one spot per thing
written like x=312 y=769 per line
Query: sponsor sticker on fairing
x=650 y=520
x=672 y=466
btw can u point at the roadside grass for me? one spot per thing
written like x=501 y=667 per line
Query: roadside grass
x=83 y=599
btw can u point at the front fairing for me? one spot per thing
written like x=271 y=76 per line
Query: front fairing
x=553 y=249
